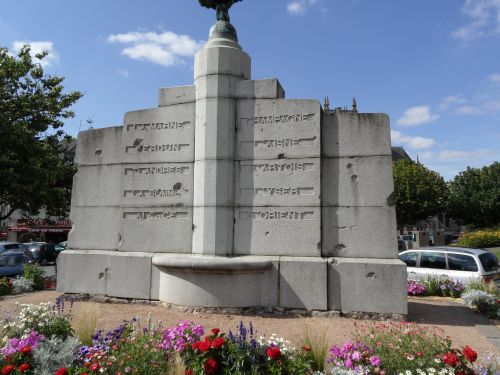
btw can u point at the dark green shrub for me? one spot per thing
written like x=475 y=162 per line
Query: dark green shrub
x=5 y=286
x=481 y=238
x=34 y=273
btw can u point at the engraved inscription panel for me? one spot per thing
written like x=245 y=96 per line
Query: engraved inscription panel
x=164 y=134
x=286 y=182
x=162 y=184
x=277 y=128
x=287 y=231
x=157 y=229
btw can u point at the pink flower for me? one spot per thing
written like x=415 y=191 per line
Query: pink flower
x=375 y=360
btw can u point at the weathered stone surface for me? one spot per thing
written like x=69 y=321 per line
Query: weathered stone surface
x=371 y=285
x=359 y=232
x=97 y=185
x=216 y=86
x=357 y=181
x=213 y=230
x=99 y=146
x=217 y=177
x=356 y=134
x=94 y=228
x=303 y=283
x=221 y=288
x=214 y=129
x=70 y=275
x=129 y=275
x=159 y=184
x=285 y=182
x=156 y=229
x=259 y=89
x=276 y=129
x=289 y=231
x=229 y=60
x=164 y=134
x=176 y=95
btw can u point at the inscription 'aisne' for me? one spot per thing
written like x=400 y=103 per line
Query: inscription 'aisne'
x=279 y=119
x=281 y=143
x=155 y=215
x=155 y=126
x=277 y=215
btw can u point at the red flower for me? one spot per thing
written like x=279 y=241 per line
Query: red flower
x=94 y=366
x=23 y=368
x=215 y=331
x=470 y=354
x=7 y=369
x=195 y=345
x=26 y=349
x=273 y=352
x=217 y=343
x=450 y=359
x=306 y=348
x=61 y=371
x=8 y=359
x=204 y=346
x=211 y=366
x=188 y=371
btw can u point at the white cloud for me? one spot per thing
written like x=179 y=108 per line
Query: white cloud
x=426 y=155
x=417 y=115
x=165 y=48
x=451 y=101
x=123 y=72
x=37 y=48
x=495 y=78
x=415 y=143
x=485 y=19
x=300 y=7
x=460 y=155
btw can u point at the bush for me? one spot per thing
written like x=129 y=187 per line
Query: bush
x=415 y=288
x=21 y=285
x=481 y=238
x=483 y=301
x=442 y=287
x=5 y=286
x=54 y=353
x=34 y=273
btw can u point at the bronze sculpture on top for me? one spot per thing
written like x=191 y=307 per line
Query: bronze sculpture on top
x=223 y=24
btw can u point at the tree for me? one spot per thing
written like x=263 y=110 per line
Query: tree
x=475 y=196
x=418 y=192
x=34 y=169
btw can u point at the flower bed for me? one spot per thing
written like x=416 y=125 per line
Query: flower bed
x=41 y=341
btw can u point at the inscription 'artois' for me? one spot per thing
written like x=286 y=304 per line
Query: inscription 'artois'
x=279 y=191
x=156 y=170
x=277 y=215
x=139 y=146
x=155 y=193
x=283 y=167
x=155 y=215
x=155 y=126
x=281 y=143
x=279 y=119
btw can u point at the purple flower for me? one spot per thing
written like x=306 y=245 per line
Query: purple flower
x=375 y=360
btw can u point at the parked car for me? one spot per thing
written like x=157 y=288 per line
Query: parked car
x=60 y=247
x=402 y=246
x=7 y=246
x=457 y=263
x=12 y=263
x=42 y=253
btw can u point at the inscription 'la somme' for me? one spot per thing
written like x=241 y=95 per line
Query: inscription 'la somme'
x=155 y=126
x=277 y=215
x=156 y=193
x=279 y=119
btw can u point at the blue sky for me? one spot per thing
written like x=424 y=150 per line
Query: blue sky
x=433 y=66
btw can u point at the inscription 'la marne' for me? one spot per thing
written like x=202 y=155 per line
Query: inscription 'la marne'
x=154 y=126
x=279 y=119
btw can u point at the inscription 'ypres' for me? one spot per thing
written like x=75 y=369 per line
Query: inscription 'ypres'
x=156 y=193
x=156 y=170
x=138 y=146
x=279 y=119
x=277 y=215
x=277 y=191
x=154 y=126
x=280 y=143
x=155 y=215
x=284 y=167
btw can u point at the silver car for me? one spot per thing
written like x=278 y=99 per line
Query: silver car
x=456 y=263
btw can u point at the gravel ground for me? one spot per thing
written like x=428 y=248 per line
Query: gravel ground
x=458 y=322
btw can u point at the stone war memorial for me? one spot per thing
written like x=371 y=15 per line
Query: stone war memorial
x=228 y=195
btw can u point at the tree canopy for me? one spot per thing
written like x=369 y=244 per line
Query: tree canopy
x=474 y=196
x=34 y=169
x=418 y=192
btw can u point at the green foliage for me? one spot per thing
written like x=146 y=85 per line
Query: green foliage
x=418 y=192
x=405 y=346
x=34 y=171
x=481 y=238
x=35 y=274
x=474 y=196
x=317 y=345
x=5 y=286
